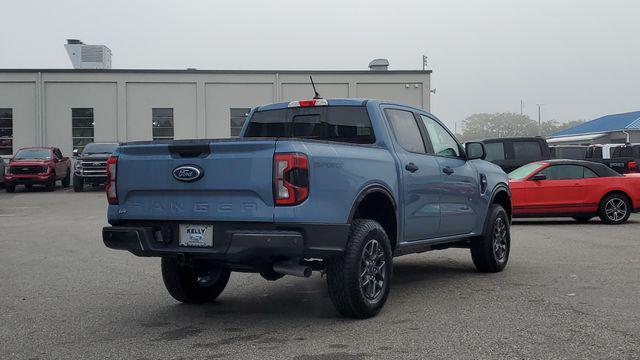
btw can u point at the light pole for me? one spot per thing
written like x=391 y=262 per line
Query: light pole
x=539 y=119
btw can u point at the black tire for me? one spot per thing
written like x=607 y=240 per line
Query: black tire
x=182 y=282
x=51 y=185
x=9 y=188
x=78 y=183
x=349 y=295
x=490 y=252
x=614 y=209
x=66 y=181
x=582 y=219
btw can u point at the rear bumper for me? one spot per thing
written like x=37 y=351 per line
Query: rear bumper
x=233 y=242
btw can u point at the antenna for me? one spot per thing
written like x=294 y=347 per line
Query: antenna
x=316 y=96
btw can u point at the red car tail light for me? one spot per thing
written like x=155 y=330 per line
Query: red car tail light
x=110 y=188
x=633 y=166
x=290 y=178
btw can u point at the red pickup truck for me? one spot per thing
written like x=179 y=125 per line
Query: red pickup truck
x=37 y=166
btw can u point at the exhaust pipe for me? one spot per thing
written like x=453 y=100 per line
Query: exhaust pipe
x=286 y=268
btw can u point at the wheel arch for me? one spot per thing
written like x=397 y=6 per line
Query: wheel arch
x=501 y=194
x=616 y=191
x=363 y=207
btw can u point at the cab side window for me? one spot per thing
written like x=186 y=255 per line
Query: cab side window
x=567 y=172
x=443 y=143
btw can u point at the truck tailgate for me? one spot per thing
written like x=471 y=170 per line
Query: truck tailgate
x=236 y=184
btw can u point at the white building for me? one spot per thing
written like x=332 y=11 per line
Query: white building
x=69 y=108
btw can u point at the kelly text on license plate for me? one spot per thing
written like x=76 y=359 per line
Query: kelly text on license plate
x=196 y=235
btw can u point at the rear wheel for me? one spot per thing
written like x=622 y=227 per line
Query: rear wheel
x=490 y=252
x=10 y=188
x=78 y=184
x=614 y=209
x=359 y=282
x=193 y=285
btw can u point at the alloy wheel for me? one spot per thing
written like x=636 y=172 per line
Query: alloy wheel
x=500 y=240
x=372 y=270
x=616 y=209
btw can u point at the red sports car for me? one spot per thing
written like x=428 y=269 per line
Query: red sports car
x=574 y=188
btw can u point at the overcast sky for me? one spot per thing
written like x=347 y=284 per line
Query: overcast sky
x=580 y=58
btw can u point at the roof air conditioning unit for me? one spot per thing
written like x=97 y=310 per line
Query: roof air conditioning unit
x=84 y=56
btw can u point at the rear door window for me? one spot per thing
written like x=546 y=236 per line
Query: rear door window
x=406 y=130
x=527 y=150
x=334 y=123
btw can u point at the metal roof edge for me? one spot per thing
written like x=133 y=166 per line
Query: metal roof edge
x=196 y=71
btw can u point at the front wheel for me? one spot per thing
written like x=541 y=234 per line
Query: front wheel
x=78 y=184
x=614 y=209
x=51 y=185
x=359 y=282
x=490 y=252
x=9 y=188
x=193 y=284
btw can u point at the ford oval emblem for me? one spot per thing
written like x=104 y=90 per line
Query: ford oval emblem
x=188 y=173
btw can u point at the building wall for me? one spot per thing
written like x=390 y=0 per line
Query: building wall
x=201 y=100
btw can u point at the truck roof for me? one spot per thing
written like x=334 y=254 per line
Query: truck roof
x=337 y=102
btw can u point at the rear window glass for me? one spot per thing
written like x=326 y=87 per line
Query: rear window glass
x=576 y=152
x=527 y=150
x=626 y=151
x=495 y=151
x=335 y=123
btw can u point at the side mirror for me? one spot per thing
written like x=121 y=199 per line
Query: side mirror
x=475 y=150
x=75 y=153
x=538 y=177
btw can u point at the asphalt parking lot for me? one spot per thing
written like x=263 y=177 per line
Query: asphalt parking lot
x=570 y=291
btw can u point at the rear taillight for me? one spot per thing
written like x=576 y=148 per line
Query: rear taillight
x=290 y=178
x=110 y=188
x=633 y=166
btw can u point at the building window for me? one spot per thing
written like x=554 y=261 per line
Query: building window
x=162 y=120
x=81 y=127
x=6 y=132
x=238 y=116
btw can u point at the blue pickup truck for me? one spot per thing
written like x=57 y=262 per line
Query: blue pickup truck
x=339 y=186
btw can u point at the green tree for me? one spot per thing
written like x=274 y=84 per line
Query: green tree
x=496 y=125
x=480 y=126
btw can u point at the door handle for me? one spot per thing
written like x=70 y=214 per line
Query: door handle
x=447 y=170
x=411 y=167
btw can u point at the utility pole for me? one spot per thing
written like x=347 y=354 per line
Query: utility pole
x=521 y=107
x=539 y=119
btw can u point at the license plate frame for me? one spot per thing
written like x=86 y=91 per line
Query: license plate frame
x=195 y=235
